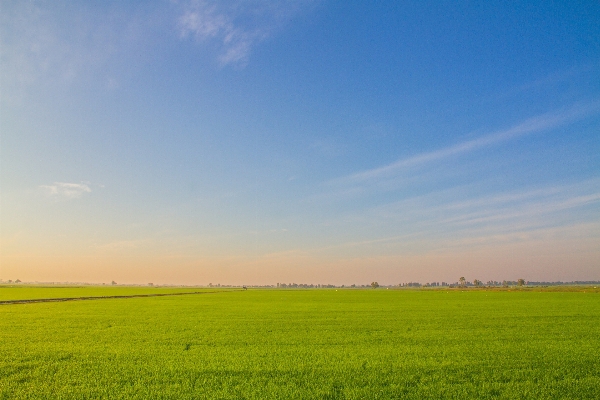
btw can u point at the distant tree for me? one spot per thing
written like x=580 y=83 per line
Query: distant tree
x=463 y=281
x=504 y=284
x=18 y=281
x=521 y=282
x=374 y=285
x=113 y=283
x=477 y=282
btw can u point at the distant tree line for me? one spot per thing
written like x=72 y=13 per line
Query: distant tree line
x=461 y=283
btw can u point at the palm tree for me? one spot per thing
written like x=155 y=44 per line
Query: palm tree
x=463 y=281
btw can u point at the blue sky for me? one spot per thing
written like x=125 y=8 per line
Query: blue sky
x=250 y=142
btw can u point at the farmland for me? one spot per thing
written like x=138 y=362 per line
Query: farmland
x=301 y=344
x=15 y=292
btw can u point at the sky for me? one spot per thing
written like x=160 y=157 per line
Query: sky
x=333 y=142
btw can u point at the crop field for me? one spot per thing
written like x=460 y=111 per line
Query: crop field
x=16 y=292
x=304 y=344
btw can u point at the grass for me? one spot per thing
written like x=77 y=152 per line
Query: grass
x=28 y=292
x=328 y=344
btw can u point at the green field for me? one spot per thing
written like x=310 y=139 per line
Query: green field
x=17 y=292
x=311 y=344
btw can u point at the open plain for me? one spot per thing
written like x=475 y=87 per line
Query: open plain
x=372 y=344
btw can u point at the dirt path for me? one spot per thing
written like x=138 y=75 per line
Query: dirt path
x=27 y=301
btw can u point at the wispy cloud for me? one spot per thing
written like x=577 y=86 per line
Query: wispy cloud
x=532 y=125
x=44 y=43
x=235 y=26
x=448 y=217
x=526 y=212
x=65 y=190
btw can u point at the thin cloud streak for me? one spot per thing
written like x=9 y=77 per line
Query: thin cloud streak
x=65 y=190
x=502 y=200
x=525 y=206
x=421 y=240
x=529 y=235
x=530 y=210
x=532 y=125
x=430 y=222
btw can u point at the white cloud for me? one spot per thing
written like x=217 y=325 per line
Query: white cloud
x=235 y=26
x=532 y=125
x=65 y=190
